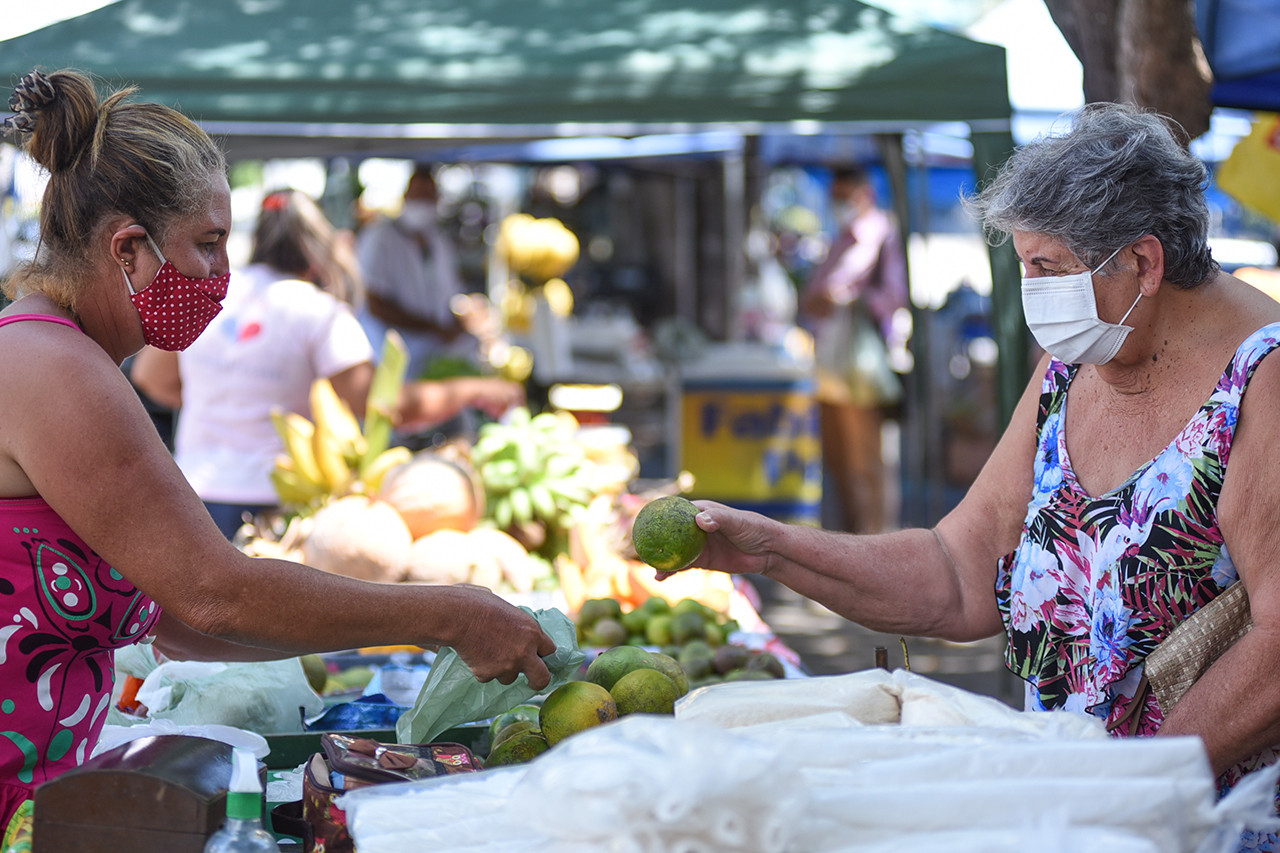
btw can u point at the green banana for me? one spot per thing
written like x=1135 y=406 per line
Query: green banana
x=544 y=505
x=521 y=505
x=293 y=489
x=501 y=511
x=384 y=398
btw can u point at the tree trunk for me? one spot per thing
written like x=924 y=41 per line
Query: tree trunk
x=1145 y=52
x=1161 y=63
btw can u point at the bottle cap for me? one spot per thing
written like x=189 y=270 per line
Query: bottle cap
x=244 y=797
x=244 y=771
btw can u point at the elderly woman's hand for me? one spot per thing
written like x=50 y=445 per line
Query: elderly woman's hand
x=498 y=640
x=738 y=542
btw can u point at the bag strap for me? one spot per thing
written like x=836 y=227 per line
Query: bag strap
x=287 y=819
x=1133 y=714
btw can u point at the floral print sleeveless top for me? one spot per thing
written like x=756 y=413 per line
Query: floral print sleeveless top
x=63 y=611
x=1097 y=582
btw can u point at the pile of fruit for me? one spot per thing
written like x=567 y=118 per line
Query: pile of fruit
x=695 y=635
x=656 y=622
x=497 y=514
x=536 y=249
x=621 y=681
x=539 y=476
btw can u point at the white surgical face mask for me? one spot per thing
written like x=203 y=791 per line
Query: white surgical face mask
x=1063 y=316
x=418 y=214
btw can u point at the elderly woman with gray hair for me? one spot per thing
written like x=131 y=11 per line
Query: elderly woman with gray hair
x=1108 y=513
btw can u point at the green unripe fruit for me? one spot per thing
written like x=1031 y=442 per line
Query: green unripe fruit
x=665 y=535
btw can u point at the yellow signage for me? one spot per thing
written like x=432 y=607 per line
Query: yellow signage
x=755 y=447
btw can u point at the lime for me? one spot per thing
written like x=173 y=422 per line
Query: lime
x=671 y=668
x=665 y=535
x=611 y=665
x=521 y=747
x=573 y=707
x=645 y=691
x=526 y=712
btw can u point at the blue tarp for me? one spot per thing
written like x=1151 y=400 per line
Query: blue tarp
x=1241 y=41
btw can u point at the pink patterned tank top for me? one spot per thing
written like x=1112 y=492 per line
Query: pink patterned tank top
x=63 y=611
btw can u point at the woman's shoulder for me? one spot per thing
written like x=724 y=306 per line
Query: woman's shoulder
x=50 y=366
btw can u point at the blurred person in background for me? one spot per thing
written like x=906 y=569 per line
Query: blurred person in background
x=286 y=322
x=410 y=271
x=848 y=302
x=103 y=543
x=1136 y=481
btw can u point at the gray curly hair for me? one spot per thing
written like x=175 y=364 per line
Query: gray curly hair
x=1119 y=174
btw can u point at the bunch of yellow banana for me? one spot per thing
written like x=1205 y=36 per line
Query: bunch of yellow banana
x=538 y=248
x=533 y=469
x=331 y=455
x=328 y=457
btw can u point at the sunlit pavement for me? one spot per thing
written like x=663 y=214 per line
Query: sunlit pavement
x=829 y=645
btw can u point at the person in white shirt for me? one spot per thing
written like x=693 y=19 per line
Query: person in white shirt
x=284 y=324
x=410 y=271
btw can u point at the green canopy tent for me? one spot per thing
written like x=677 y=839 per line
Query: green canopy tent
x=353 y=78
x=333 y=69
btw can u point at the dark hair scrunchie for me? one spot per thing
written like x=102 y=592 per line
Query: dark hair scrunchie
x=32 y=94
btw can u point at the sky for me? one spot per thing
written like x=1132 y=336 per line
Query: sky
x=22 y=18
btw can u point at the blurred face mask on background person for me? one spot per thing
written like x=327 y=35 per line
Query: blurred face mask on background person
x=1062 y=313
x=419 y=214
x=176 y=308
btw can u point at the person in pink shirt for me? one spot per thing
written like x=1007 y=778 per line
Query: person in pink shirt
x=849 y=302
x=103 y=542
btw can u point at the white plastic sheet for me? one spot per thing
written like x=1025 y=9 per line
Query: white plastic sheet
x=951 y=771
x=112 y=736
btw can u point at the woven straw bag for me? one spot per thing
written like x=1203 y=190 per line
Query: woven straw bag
x=1187 y=652
x=1192 y=647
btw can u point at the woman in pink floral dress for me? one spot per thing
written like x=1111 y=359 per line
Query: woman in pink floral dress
x=102 y=541
x=1137 y=479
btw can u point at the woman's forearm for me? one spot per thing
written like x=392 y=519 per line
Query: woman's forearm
x=902 y=582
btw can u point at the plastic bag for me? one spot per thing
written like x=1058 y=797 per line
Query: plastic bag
x=643 y=784
x=452 y=695
x=853 y=360
x=263 y=696
x=869 y=697
x=653 y=784
x=373 y=711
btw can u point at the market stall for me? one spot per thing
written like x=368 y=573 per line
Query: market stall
x=675 y=719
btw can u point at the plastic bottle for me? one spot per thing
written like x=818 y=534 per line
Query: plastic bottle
x=243 y=832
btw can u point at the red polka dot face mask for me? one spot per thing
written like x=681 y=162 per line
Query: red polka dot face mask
x=175 y=308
